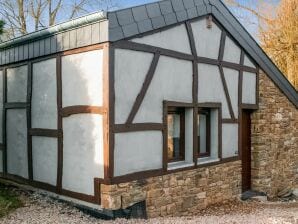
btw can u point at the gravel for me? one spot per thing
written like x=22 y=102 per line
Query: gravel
x=41 y=209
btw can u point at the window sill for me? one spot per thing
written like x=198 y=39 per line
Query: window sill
x=207 y=160
x=179 y=165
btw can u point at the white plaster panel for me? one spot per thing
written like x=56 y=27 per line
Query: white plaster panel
x=1 y=161
x=131 y=68
x=172 y=81
x=44 y=159
x=175 y=39
x=232 y=80
x=137 y=151
x=44 y=95
x=249 y=88
x=1 y=106
x=232 y=51
x=17 y=84
x=229 y=140
x=210 y=87
x=17 y=159
x=82 y=79
x=248 y=62
x=207 y=41
x=82 y=152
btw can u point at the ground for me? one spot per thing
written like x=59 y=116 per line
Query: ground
x=9 y=201
x=35 y=208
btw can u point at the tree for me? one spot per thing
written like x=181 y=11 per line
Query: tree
x=1 y=27
x=279 y=39
x=277 y=27
x=24 y=16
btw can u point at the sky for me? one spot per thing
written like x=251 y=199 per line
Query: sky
x=247 y=19
x=128 y=3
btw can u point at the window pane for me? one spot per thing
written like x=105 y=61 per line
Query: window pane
x=173 y=136
x=202 y=133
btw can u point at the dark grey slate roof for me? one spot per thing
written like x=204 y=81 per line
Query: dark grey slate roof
x=125 y=23
x=137 y=20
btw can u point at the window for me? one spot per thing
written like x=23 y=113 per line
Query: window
x=176 y=134
x=203 y=132
x=192 y=138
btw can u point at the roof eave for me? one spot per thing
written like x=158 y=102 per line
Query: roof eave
x=94 y=17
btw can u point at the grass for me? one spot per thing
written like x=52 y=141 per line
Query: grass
x=9 y=201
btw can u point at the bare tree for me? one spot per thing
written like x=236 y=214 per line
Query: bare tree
x=15 y=13
x=1 y=26
x=53 y=10
x=23 y=16
x=36 y=10
x=277 y=27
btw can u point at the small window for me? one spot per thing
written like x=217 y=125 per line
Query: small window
x=203 y=132
x=176 y=134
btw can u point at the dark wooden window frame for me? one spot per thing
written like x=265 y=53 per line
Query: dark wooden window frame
x=181 y=112
x=207 y=112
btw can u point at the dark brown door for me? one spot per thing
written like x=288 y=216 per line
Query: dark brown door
x=246 y=150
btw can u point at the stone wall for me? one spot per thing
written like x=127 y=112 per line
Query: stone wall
x=274 y=140
x=181 y=193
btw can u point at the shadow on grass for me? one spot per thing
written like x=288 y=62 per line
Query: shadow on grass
x=9 y=200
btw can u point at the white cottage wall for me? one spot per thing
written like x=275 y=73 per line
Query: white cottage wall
x=207 y=40
x=230 y=140
x=16 y=132
x=210 y=87
x=17 y=84
x=248 y=62
x=82 y=152
x=131 y=68
x=82 y=79
x=44 y=95
x=175 y=39
x=44 y=159
x=232 y=52
x=137 y=151
x=249 y=88
x=232 y=80
x=172 y=81
x=82 y=84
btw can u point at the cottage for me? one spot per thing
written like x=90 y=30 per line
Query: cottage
x=171 y=103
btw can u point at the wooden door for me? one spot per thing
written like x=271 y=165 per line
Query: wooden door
x=246 y=150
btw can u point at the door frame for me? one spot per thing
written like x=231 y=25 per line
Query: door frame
x=245 y=145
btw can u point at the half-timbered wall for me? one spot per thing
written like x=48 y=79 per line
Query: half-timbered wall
x=192 y=65
x=54 y=116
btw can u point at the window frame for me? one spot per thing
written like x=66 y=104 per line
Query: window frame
x=181 y=111
x=207 y=112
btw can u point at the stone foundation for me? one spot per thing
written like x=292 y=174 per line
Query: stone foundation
x=274 y=141
x=181 y=193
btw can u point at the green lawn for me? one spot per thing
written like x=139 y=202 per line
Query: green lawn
x=9 y=200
